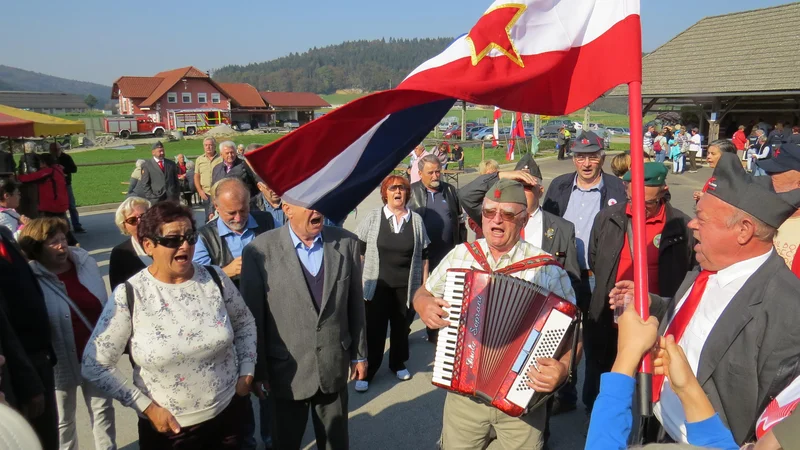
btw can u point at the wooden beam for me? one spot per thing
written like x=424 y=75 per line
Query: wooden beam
x=733 y=102
x=649 y=105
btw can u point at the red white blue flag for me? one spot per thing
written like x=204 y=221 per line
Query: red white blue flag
x=535 y=56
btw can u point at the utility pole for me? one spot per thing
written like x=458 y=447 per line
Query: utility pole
x=537 y=124
x=587 y=115
x=463 y=120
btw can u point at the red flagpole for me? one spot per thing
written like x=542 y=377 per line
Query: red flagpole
x=639 y=246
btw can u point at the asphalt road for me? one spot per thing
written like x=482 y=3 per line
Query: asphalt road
x=392 y=414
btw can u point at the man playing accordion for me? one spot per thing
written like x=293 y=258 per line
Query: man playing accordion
x=467 y=421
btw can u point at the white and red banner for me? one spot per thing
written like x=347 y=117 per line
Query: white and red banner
x=498 y=113
x=537 y=56
x=517 y=132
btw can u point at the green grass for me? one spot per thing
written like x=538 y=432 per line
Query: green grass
x=340 y=99
x=607 y=119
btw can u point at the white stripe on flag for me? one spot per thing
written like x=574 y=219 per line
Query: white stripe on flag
x=333 y=174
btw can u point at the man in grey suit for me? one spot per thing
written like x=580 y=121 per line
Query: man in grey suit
x=303 y=284
x=736 y=317
x=159 y=177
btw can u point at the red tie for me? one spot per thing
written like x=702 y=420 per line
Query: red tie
x=681 y=321
x=4 y=251
x=796 y=263
x=161 y=165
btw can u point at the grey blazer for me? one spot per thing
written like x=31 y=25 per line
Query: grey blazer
x=753 y=351
x=301 y=351
x=157 y=185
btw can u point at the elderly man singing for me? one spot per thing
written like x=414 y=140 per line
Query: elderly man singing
x=466 y=422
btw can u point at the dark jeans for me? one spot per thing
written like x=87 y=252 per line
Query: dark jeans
x=265 y=419
x=73 y=210
x=600 y=349
x=561 y=150
x=692 y=160
x=46 y=425
x=222 y=432
x=388 y=307
x=328 y=414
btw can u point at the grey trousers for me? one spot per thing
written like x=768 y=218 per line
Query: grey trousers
x=328 y=415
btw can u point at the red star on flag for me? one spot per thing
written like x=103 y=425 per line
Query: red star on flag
x=493 y=32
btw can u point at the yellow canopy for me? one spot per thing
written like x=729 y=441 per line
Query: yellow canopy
x=44 y=125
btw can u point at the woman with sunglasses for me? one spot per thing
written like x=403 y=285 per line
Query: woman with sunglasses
x=192 y=342
x=74 y=293
x=393 y=248
x=128 y=258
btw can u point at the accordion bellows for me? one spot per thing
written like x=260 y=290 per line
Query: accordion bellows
x=499 y=327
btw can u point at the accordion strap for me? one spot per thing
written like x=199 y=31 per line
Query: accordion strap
x=529 y=263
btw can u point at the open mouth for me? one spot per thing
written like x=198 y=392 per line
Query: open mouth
x=398 y=197
x=182 y=258
x=316 y=220
x=497 y=231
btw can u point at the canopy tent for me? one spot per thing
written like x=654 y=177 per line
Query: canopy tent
x=17 y=123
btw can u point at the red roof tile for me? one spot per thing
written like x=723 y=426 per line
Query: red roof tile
x=294 y=99
x=170 y=78
x=135 y=87
x=244 y=94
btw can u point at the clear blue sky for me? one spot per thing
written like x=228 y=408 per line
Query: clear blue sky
x=94 y=40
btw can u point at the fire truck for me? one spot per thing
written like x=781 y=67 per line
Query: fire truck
x=127 y=126
x=194 y=121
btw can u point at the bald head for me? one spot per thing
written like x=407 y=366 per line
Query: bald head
x=232 y=201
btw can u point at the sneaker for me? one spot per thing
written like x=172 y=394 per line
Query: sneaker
x=403 y=375
x=80 y=230
x=362 y=386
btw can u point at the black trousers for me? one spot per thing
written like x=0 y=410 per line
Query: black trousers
x=388 y=307
x=600 y=348
x=562 y=148
x=225 y=431
x=328 y=415
x=46 y=425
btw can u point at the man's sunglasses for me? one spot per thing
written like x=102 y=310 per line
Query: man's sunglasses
x=507 y=216
x=133 y=220
x=175 y=241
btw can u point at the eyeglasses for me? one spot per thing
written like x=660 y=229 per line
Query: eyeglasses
x=175 y=241
x=507 y=216
x=590 y=158
x=134 y=220
x=396 y=187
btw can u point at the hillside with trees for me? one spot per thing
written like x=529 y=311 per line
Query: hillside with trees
x=365 y=65
x=13 y=79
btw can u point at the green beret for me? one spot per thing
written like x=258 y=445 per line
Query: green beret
x=507 y=191
x=655 y=174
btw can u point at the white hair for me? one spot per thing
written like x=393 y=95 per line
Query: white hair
x=227 y=144
x=29 y=147
x=126 y=208
x=139 y=163
x=210 y=138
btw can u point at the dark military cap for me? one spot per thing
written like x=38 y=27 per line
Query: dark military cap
x=786 y=158
x=157 y=145
x=655 y=174
x=587 y=142
x=731 y=184
x=527 y=163
x=507 y=191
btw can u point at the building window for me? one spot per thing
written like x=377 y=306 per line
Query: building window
x=202 y=98
x=215 y=98
x=186 y=97
x=172 y=97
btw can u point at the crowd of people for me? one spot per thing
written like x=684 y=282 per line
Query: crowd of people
x=268 y=298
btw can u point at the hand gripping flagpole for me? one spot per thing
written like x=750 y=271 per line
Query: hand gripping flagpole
x=645 y=376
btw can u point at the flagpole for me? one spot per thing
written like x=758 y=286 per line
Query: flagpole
x=645 y=375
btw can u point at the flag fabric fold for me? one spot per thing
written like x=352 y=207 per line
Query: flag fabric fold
x=498 y=113
x=536 y=56
x=517 y=132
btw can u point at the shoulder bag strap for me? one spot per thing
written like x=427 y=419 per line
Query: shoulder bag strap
x=530 y=263
x=217 y=281
x=629 y=236
x=477 y=252
x=72 y=306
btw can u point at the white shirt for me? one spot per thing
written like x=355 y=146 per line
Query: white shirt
x=396 y=224
x=719 y=292
x=695 y=146
x=535 y=228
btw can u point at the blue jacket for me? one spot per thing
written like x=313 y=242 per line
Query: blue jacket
x=612 y=419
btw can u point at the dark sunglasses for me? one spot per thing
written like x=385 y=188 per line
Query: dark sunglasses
x=505 y=215
x=396 y=187
x=133 y=220
x=175 y=241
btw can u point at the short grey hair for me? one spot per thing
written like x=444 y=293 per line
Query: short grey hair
x=139 y=163
x=428 y=159
x=763 y=232
x=252 y=147
x=228 y=144
x=210 y=138
x=29 y=147
x=189 y=165
x=178 y=156
x=126 y=208
x=226 y=185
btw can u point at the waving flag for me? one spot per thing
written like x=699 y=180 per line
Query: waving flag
x=536 y=56
x=498 y=113
x=517 y=131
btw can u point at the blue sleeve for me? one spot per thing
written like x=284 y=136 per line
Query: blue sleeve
x=611 y=415
x=710 y=433
x=201 y=255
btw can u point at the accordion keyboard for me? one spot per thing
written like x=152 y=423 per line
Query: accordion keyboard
x=448 y=336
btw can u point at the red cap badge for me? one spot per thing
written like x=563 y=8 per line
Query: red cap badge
x=585 y=141
x=497 y=193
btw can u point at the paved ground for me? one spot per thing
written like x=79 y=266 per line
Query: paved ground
x=392 y=415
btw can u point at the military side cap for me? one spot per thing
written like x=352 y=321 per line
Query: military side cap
x=587 y=142
x=731 y=184
x=786 y=158
x=527 y=163
x=507 y=191
x=655 y=174
x=157 y=145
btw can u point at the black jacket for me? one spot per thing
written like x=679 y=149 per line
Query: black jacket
x=218 y=250
x=557 y=197
x=560 y=242
x=7 y=163
x=123 y=263
x=69 y=166
x=19 y=380
x=239 y=170
x=28 y=163
x=418 y=201
x=675 y=254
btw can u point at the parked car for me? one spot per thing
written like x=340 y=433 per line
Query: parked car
x=453 y=133
x=291 y=124
x=241 y=126
x=550 y=129
x=618 y=131
x=444 y=126
x=595 y=126
x=483 y=134
x=472 y=131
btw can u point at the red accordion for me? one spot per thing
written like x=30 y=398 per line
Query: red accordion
x=500 y=326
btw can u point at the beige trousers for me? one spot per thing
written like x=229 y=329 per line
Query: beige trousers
x=466 y=425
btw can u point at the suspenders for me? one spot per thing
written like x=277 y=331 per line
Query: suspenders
x=529 y=263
